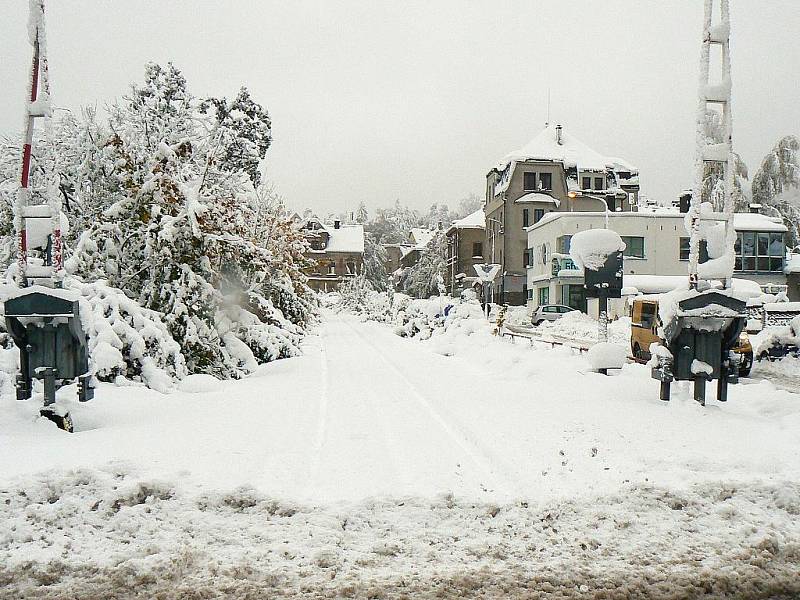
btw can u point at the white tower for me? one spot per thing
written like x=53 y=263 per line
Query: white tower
x=715 y=94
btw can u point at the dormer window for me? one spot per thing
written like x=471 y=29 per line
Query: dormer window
x=545 y=181
x=529 y=182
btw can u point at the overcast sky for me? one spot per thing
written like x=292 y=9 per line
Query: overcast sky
x=373 y=101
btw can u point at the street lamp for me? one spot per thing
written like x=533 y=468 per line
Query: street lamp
x=577 y=194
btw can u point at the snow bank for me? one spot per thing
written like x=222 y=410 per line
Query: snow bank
x=576 y=325
x=606 y=355
x=590 y=248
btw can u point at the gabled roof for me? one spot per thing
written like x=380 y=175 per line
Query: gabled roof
x=476 y=220
x=572 y=152
x=348 y=238
x=421 y=236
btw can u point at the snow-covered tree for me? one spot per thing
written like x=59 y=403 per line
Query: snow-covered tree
x=777 y=183
x=425 y=277
x=468 y=205
x=713 y=189
x=374 y=263
x=179 y=225
x=243 y=133
x=362 y=215
x=392 y=225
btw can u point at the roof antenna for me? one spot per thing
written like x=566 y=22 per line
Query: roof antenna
x=547 y=122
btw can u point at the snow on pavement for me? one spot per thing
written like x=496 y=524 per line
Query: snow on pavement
x=377 y=466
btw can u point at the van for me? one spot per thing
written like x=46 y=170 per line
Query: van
x=644 y=331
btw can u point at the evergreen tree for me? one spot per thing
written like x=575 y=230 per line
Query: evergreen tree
x=374 y=263
x=776 y=185
x=180 y=226
x=424 y=278
x=243 y=133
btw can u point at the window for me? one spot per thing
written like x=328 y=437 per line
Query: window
x=529 y=182
x=648 y=317
x=634 y=246
x=525 y=217
x=530 y=295
x=544 y=295
x=477 y=249
x=545 y=181
x=563 y=244
x=526 y=258
x=351 y=268
x=331 y=268
x=538 y=213
x=586 y=183
x=759 y=251
x=598 y=183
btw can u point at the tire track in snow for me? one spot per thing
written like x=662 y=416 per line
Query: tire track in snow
x=480 y=457
x=322 y=417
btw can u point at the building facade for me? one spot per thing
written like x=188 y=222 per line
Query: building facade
x=465 y=248
x=555 y=172
x=657 y=245
x=337 y=253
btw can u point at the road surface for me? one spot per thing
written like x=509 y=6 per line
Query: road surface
x=381 y=467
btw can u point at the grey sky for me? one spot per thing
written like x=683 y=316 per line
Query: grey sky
x=375 y=101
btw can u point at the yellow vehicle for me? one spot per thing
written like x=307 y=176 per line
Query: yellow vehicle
x=644 y=331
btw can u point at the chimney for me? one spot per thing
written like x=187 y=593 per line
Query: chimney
x=558 y=134
x=755 y=208
x=337 y=224
x=684 y=202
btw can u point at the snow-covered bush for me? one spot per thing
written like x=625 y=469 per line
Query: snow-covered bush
x=606 y=355
x=358 y=297
x=125 y=340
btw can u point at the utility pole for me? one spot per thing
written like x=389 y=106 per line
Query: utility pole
x=715 y=96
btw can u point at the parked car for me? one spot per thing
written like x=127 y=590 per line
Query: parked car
x=549 y=312
x=777 y=342
x=644 y=331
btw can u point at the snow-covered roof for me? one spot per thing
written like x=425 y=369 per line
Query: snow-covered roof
x=421 y=236
x=571 y=152
x=537 y=197
x=347 y=238
x=757 y=222
x=476 y=220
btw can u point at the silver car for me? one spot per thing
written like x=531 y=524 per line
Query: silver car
x=550 y=312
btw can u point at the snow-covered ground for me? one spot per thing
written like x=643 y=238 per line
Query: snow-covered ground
x=386 y=467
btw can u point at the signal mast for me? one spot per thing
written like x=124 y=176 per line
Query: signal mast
x=713 y=96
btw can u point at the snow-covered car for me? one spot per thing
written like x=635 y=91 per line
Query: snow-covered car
x=777 y=342
x=550 y=312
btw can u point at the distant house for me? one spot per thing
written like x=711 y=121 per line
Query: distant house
x=337 y=252
x=465 y=248
x=555 y=172
x=414 y=246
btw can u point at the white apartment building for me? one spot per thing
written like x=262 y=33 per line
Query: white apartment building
x=657 y=245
